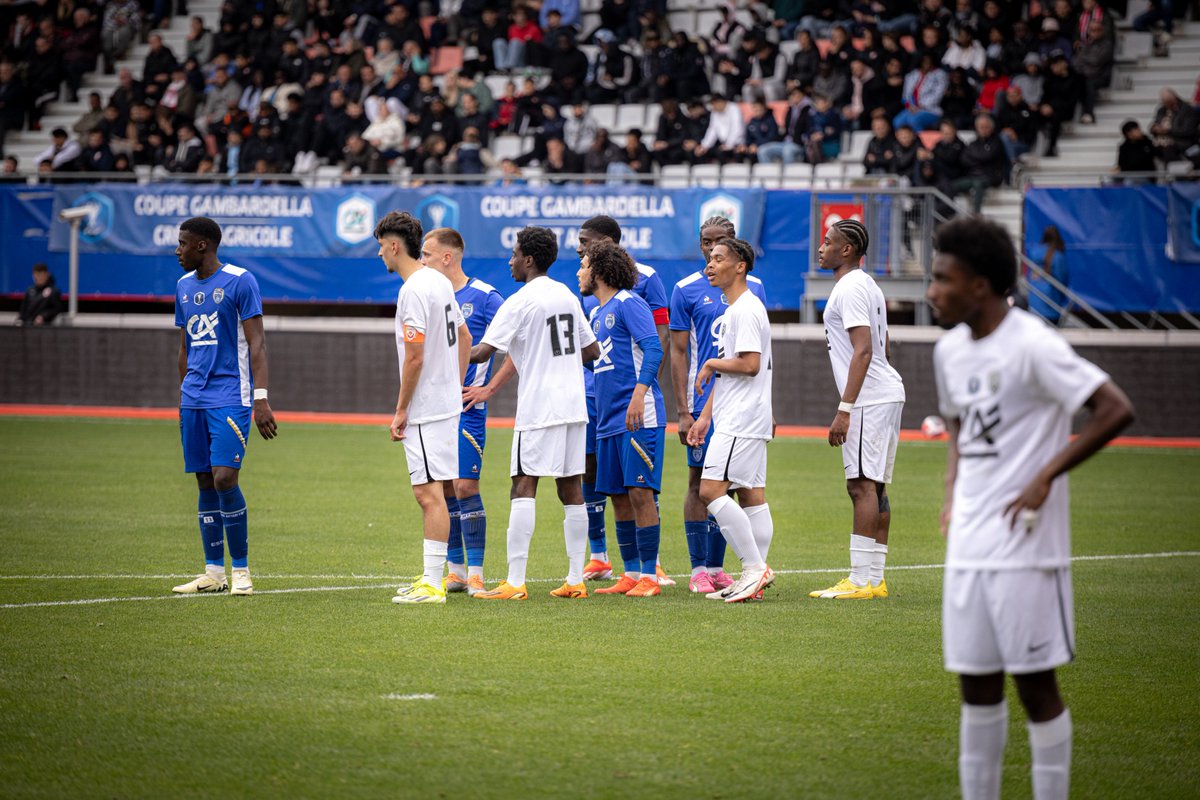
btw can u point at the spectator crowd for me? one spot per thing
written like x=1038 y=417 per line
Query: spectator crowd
x=282 y=87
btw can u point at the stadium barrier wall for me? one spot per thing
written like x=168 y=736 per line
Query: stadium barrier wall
x=351 y=366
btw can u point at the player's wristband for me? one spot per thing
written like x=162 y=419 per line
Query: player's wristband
x=260 y=394
x=844 y=406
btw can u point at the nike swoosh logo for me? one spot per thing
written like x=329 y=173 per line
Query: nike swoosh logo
x=1033 y=648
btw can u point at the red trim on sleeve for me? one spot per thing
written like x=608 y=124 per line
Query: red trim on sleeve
x=662 y=316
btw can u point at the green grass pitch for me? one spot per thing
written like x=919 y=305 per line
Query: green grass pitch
x=301 y=693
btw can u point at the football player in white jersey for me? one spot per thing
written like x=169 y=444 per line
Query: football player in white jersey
x=739 y=407
x=547 y=338
x=1008 y=386
x=434 y=345
x=867 y=423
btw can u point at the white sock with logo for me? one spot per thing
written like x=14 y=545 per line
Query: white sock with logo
x=1050 y=744
x=435 y=561
x=521 y=518
x=735 y=527
x=982 y=734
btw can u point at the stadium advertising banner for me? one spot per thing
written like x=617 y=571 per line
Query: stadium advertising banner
x=299 y=223
x=1183 y=222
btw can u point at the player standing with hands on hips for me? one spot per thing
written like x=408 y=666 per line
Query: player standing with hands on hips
x=433 y=344
x=739 y=406
x=1008 y=386
x=867 y=423
x=223 y=381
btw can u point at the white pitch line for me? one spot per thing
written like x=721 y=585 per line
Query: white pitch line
x=393 y=578
x=394 y=696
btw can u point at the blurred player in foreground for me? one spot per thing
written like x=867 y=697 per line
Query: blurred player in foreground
x=1008 y=386
x=223 y=380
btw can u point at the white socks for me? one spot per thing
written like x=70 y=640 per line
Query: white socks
x=473 y=571
x=982 y=734
x=1050 y=744
x=457 y=569
x=522 y=515
x=878 y=559
x=575 y=533
x=435 y=561
x=762 y=526
x=862 y=550
x=735 y=527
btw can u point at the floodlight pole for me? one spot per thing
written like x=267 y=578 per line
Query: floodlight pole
x=73 y=272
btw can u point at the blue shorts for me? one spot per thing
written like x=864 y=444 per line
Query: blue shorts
x=472 y=436
x=630 y=459
x=214 y=437
x=695 y=455
x=589 y=445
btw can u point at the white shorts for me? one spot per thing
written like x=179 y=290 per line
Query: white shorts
x=1016 y=621
x=740 y=460
x=432 y=450
x=871 y=441
x=553 y=452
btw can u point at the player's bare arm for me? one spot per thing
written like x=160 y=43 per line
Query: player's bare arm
x=464 y=351
x=679 y=370
x=256 y=340
x=951 y=474
x=481 y=352
x=636 y=411
x=664 y=334
x=591 y=352
x=1111 y=412
x=474 y=395
x=410 y=372
x=699 y=430
x=860 y=338
x=741 y=364
x=182 y=354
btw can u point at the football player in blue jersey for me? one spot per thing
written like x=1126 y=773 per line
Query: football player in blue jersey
x=631 y=419
x=443 y=249
x=696 y=311
x=649 y=287
x=223 y=383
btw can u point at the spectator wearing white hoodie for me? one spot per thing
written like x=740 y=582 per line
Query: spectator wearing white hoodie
x=726 y=130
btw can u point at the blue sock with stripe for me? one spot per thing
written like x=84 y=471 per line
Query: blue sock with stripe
x=697 y=542
x=454 y=548
x=237 y=530
x=647 y=544
x=596 y=503
x=474 y=528
x=716 y=546
x=212 y=529
x=628 y=542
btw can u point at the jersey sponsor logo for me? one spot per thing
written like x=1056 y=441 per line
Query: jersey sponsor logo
x=973 y=384
x=203 y=329
x=604 y=361
x=468 y=309
x=355 y=219
x=218 y=294
x=715 y=330
x=198 y=298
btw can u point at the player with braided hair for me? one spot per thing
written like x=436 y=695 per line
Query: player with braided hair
x=867 y=423
x=697 y=309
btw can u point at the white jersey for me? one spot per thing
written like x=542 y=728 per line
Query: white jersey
x=1014 y=393
x=543 y=330
x=427 y=312
x=742 y=403
x=856 y=301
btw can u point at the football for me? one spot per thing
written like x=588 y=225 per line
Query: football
x=933 y=427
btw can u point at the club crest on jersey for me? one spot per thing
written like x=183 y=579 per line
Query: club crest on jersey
x=724 y=299
x=973 y=384
x=468 y=309
x=198 y=299
x=610 y=320
x=218 y=295
x=994 y=381
x=697 y=453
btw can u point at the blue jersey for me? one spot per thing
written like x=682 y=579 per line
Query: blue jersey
x=619 y=325
x=211 y=312
x=649 y=287
x=697 y=307
x=479 y=302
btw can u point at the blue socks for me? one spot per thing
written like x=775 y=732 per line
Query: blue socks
x=596 y=504
x=233 y=515
x=454 y=549
x=647 y=545
x=627 y=540
x=697 y=542
x=212 y=529
x=716 y=545
x=473 y=521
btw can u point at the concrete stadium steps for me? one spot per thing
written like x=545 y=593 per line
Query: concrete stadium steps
x=1005 y=206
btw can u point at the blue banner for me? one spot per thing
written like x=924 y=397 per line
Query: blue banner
x=1183 y=222
x=1116 y=247
x=339 y=223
